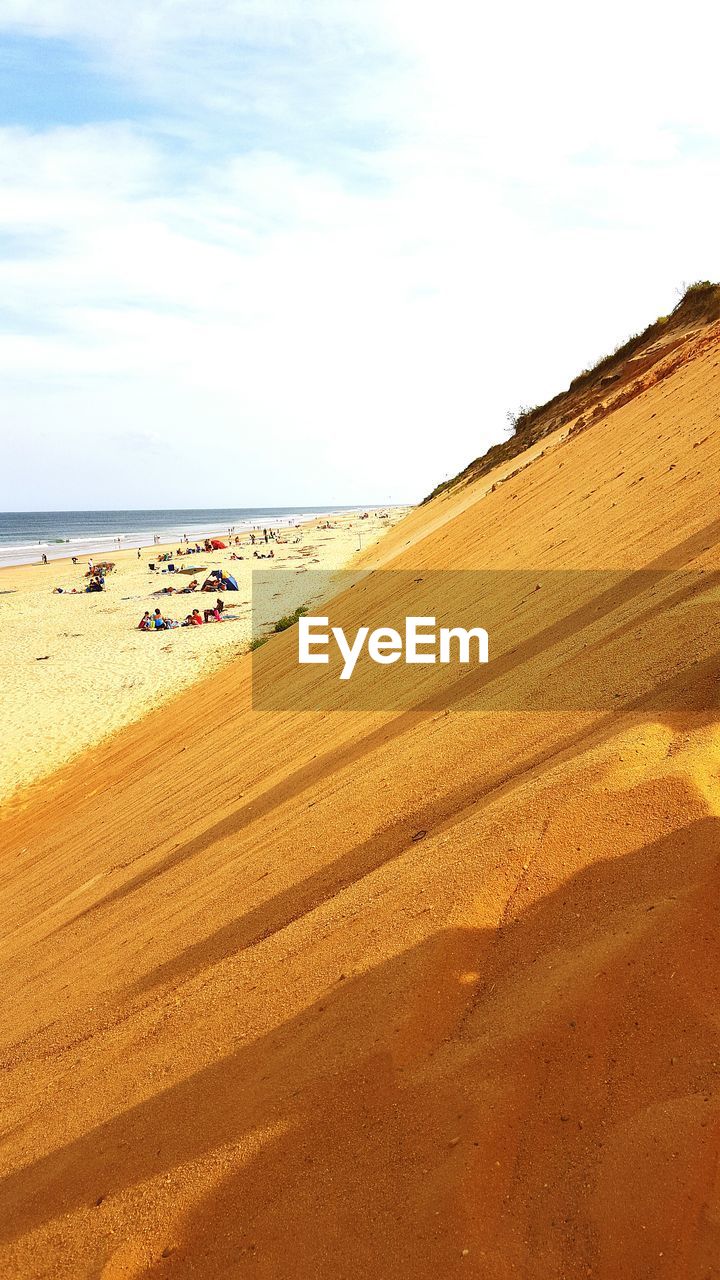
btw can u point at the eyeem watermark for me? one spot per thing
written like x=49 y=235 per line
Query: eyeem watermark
x=421 y=642
x=548 y=641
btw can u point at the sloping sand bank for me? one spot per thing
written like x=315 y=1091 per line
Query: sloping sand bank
x=346 y=996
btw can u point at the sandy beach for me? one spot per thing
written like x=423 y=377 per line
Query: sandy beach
x=389 y=996
x=359 y=641
x=76 y=669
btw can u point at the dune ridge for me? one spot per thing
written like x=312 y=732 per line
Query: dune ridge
x=374 y=995
x=640 y=362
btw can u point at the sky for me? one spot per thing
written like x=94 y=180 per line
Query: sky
x=316 y=250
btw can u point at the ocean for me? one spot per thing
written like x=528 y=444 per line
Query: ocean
x=26 y=535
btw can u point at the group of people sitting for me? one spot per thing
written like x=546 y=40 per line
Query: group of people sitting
x=96 y=583
x=213 y=583
x=157 y=622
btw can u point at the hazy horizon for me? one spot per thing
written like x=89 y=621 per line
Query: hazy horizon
x=222 y=506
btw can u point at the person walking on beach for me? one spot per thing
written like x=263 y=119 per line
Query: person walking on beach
x=138 y=553
x=44 y=559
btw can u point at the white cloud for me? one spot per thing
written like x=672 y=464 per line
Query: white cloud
x=343 y=242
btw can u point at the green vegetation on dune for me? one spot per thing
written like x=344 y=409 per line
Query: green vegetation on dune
x=289 y=619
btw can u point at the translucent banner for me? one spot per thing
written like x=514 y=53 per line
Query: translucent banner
x=495 y=640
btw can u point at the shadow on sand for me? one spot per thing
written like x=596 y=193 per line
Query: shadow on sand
x=543 y=1095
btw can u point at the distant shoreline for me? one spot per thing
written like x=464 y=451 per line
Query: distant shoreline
x=76 y=667
x=107 y=544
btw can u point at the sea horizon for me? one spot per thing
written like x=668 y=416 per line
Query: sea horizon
x=26 y=535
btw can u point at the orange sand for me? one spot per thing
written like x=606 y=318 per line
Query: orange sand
x=253 y=1028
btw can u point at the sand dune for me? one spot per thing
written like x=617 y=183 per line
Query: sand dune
x=375 y=995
